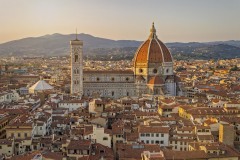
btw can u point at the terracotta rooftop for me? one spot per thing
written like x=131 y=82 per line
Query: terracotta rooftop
x=181 y=155
x=153 y=129
x=108 y=72
x=128 y=151
x=79 y=144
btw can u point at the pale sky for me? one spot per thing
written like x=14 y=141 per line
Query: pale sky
x=175 y=20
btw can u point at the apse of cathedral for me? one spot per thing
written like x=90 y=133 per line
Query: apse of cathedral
x=152 y=73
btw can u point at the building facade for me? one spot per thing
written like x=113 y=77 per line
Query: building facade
x=152 y=73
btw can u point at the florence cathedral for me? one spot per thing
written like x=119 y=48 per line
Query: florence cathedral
x=152 y=73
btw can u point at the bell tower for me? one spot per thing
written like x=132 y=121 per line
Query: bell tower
x=76 y=67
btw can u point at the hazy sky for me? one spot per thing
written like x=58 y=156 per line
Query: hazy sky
x=175 y=20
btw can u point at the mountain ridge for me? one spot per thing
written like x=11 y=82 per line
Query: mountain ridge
x=58 y=44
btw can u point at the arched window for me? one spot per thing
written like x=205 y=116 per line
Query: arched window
x=112 y=93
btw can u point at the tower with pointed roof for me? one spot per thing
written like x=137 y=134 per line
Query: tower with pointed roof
x=76 y=67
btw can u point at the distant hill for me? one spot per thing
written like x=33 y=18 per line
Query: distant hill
x=58 y=44
x=207 y=51
x=106 y=49
x=231 y=42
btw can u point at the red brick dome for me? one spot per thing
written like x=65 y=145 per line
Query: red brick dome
x=152 y=50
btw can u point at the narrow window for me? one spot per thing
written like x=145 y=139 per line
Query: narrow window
x=166 y=70
x=76 y=58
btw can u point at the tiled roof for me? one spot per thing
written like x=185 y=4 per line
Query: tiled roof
x=132 y=136
x=79 y=144
x=52 y=155
x=180 y=155
x=107 y=72
x=141 y=55
x=128 y=151
x=153 y=129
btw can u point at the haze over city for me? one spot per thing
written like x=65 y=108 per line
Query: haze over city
x=175 y=20
x=139 y=80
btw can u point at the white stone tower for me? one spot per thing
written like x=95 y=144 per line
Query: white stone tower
x=76 y=67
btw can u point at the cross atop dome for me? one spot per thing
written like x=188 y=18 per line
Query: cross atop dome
x=152 y=32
